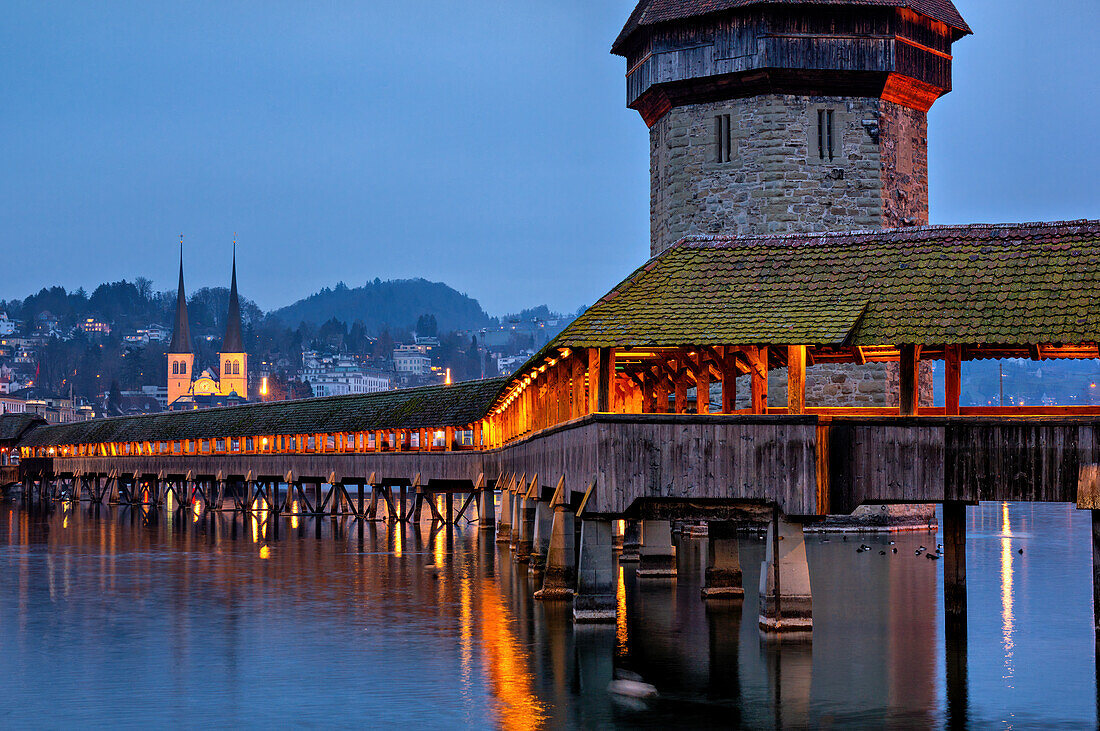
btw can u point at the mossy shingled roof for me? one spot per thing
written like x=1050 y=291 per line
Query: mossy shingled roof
x=1013 y=284
x=430 y=407
x=12 y=426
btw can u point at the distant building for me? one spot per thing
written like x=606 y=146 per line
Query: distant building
x=509 y=363
x=95 y=328
x=7 y=327
x=160 y=393
x=412 y=359
x=341 y=375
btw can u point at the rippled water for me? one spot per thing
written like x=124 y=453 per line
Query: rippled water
x=116 y=620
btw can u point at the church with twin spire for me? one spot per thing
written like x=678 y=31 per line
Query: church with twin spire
x=226 y=383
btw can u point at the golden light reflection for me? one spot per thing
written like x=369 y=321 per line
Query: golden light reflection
x=294 y=515
x=438 y=552
x=265 y=552
x=507 y=664
x=466 y=633
x=620 y=621
x=398 y=540
x=1008 y=620
x=196 y=511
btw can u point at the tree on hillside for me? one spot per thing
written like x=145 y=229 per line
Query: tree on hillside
x=426 y=326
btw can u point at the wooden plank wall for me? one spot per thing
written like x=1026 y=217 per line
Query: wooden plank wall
x=733 y=458
x=834 y=39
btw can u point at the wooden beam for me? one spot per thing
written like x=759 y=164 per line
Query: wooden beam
x=759 y=362
x=593 y=380
x=702 y=387
x=796 y=379
x=908 y=373
x=576 y=404
x=952 y=378
x=605 y=379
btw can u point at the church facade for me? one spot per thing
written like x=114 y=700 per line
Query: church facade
x=225 y=384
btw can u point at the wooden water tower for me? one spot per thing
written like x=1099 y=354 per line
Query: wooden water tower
x=771 y=117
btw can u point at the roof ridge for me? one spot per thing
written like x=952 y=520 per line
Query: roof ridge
x=287 y=402
x=896 y=235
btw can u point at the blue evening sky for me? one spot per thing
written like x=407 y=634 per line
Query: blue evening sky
x=482 y=143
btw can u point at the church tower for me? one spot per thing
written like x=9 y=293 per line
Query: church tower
x=798 y=116
x=181 y=356
x=233 y=359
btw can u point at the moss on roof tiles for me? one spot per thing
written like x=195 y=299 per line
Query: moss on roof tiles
x=1005 y=284
x=432 y=407
x=13 y=426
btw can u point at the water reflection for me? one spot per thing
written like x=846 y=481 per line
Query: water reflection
x=225 y=623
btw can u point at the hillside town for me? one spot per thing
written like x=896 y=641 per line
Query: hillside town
x=111 y=353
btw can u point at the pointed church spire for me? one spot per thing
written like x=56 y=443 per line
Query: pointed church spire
x=232 y=342
x=181 y=331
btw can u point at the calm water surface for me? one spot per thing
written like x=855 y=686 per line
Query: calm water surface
x=118 y=620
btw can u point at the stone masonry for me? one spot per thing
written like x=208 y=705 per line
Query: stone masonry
x=775 y=180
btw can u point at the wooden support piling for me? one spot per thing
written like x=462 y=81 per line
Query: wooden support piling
x=796 y=379
x=952 y=378
x=908 y=374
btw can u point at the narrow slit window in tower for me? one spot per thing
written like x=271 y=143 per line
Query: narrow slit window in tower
x=825 y=145
x=723 y=138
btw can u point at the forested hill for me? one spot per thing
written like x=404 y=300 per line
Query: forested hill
x=394 y=304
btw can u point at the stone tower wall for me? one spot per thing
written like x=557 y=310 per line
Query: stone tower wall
x=775 y=180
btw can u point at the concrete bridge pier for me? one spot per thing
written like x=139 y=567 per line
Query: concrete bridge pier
x=504 y=524
x=657 y=558
x=559 y=574
x=486 y=516
x=540 y=544
x=524 y=527
x=786 y=608
x=632 y=541
x=518 y=490
x=723 y=574
x=595 y=598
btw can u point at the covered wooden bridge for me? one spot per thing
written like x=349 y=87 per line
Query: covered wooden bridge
x=633 y=411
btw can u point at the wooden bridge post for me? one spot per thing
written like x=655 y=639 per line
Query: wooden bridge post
x=595 y=598
x=723 y=574
x=908 y=370
x=658 y=556
x=954 y=606
x=952 y=378
x=796 y=379
x=786 y=605
x=758 y=360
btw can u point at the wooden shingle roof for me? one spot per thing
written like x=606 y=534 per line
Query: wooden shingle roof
x=13 y=426
x=1014 y=284
x=654 y=12
x=430 y=407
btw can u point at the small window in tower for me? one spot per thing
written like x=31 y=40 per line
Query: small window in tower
x=183 y=368
x=228 y=370
x=236 y=369
x=723 y=139
x=825 y=144
x=175 y=368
